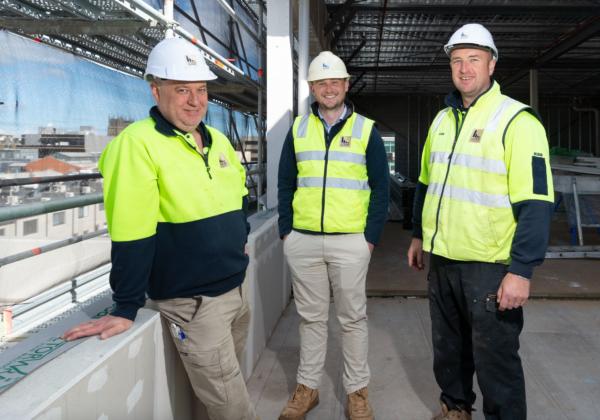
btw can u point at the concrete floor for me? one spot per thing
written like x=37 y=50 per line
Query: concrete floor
x=560 y=342
x=560 y=348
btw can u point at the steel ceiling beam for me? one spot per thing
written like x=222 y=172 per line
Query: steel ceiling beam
x=479 y=10
x=356 y=79
x=356 y=51
x=569 y=42
x=342 y=29
x=338 y=16
x=73 y=26
x=381 y=22
x=504 y=65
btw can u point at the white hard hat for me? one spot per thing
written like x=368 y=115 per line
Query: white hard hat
x=472 y=34
x=327 y=65
x=177 y=59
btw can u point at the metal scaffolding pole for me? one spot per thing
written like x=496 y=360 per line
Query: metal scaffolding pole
x=303 y=50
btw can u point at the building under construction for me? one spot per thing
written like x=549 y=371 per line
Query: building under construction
x=71 y=79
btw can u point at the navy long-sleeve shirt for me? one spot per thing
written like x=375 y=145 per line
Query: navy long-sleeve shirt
x=377 y=171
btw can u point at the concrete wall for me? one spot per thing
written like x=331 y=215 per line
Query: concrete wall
x=137 y=374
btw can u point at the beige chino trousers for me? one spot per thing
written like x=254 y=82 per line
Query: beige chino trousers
x=210 y=335
x=317 y=262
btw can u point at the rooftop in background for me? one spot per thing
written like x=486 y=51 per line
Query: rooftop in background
x=395 y=47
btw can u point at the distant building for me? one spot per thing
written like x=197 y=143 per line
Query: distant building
x=50 y=144
x=116 y=125
x=12 y=160
x=95 y=143
x=18 y=154
x=51 y=163
x=87 y=162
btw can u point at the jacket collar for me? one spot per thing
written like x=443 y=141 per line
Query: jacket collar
x=454 y=99
x=166 y=128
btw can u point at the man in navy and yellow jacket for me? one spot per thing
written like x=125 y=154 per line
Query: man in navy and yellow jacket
x=175 y=198
x=482 y=209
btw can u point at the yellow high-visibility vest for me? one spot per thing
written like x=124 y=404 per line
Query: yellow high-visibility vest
x=333 y=191
x=468 y=214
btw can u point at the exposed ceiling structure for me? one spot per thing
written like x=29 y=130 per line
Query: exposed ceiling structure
x=395 y=46
x=120 y=34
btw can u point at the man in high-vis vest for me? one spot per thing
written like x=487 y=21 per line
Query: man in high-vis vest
x=333 y=202
x=482 y=209
x=175 y=200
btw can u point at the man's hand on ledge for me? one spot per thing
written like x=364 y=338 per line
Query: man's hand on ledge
x=105 y=327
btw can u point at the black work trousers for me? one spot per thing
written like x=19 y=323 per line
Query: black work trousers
x=470 y=336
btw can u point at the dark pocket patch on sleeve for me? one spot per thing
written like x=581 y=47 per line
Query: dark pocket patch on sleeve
x=540 y=181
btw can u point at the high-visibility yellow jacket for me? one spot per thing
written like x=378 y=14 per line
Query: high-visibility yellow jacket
x=175 y=213
x=477 y=164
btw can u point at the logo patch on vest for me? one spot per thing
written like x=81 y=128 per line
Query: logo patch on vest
x=345 y=141
x=223 y=161
x=476 y=136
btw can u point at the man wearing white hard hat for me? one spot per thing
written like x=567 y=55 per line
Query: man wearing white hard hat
x=482 y=210
x=175 y=200
x=333 y=200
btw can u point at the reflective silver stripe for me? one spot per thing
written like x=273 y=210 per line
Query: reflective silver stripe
x=493 y=122
x=302 y=126
x=310 y=155
x=347 y=184
x=438 y=119
x=357 y=128
x=336 y=156
x=475 y=162
x=439 y=157
x=475 y=197
x=348 y=157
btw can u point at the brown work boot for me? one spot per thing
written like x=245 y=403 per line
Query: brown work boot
x=358 y=405
x=454 y=414
x=302 y=401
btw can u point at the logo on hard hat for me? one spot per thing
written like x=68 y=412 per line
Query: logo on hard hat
x=463 y=35
x=191 y=60
x=326 y=66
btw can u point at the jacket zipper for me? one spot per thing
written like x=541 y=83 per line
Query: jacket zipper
x=324 y=179
x=202 y=155
x=205 y=159
x=457 y=130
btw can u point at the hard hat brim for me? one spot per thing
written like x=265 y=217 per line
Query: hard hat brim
x=449 y=48
x=331 y=75
x=209 y=75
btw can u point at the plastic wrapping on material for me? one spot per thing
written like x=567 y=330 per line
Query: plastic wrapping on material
x=45 y=87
